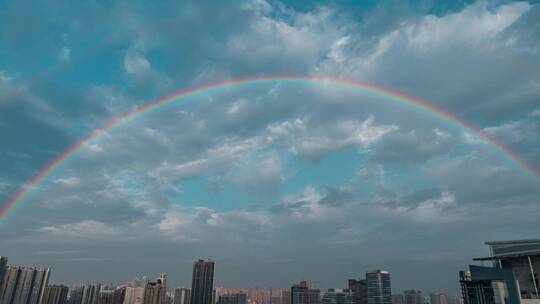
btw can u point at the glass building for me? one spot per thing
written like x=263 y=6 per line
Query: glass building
x=523 y=258
x=379 y=290
x=202 y=283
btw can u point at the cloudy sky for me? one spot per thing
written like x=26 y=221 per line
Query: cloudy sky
x=276 y=182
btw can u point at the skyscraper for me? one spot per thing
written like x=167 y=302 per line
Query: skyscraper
x=378 y=287
x=202 y=283
x=359 y=290
x=154 y=292
x=182 y=296
x=23 y=285
x=303 y=294
x=55 y=294
x=3 y=266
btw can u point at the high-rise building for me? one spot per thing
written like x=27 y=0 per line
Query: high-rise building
x=302 y=293
x=438 y=298
x=237 y=298
x=182 y=296
x=3 y=267
x=523 y=258
x=513 y=279
x=155 y=292
x=202 y=283
x=134 y=295
x=338 y=296
x=111 y=294
x=55 y=294
x=75 y=294
x=23 y=285
x=359 y=290
x=84 y=294
x=413 y=297
x=379 y=290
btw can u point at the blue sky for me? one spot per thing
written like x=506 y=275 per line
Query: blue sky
x=292 y=181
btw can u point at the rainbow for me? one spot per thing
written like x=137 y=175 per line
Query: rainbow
x=388 y=94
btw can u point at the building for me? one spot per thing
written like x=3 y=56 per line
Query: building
x=134 y=295
x=285 y=297
x=75 y=294
x=413 y=297
x=438 y=298
x=111 y=294
x=302 y=293
x=23 y=285
x=202 y=282
x=237 y=298
x=182 y=296
x=359 y=290
x=523 y=258
x=3 y=267
x=338 y=296
x=488 y=285
x=512 y=279
x=55 y=294
x=155 y=292
x=379 y=290
x=84 y=294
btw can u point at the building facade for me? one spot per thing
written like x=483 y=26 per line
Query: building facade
x=379 y=289
x=134 y=295
x=237 y=298
x=3 y=268
x=359 y=290
x=338 y=296
x=55 y=294
x=202 y=282
x=182 y=296
x=302 y=293
x=154 y=293
x=512 y=279
x=23 y=285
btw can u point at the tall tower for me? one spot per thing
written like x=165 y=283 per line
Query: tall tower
x=3 y=268
x=202 y=282
x=378 y=287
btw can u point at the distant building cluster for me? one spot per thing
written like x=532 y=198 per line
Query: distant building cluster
x=511 y=279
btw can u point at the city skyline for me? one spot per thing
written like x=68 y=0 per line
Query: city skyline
x=512 y=278
x=287 y=141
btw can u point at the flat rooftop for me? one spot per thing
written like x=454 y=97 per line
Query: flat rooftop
x=501 y=250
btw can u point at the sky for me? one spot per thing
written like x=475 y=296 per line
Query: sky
x=276 y=182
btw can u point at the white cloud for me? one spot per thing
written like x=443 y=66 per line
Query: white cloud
x=68 y=182
x=434 y=210
x=87 y=229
